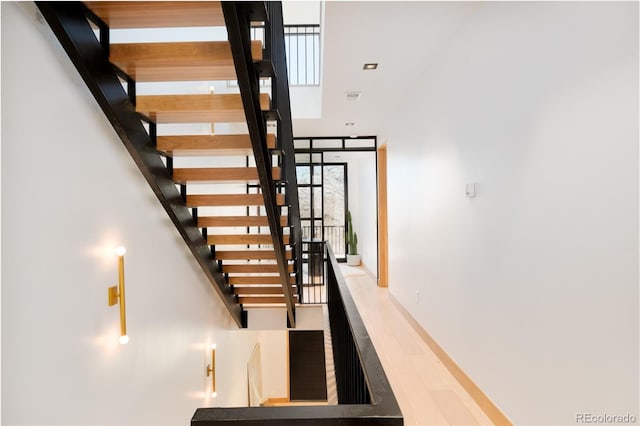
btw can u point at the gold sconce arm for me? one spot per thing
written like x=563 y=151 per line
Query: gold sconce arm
x=116 y=294
x=211 y=370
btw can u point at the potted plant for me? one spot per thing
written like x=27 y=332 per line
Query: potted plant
x=353 y=258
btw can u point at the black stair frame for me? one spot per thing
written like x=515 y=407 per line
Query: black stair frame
x=68 y=20
x=280 y=83
x=238 y=17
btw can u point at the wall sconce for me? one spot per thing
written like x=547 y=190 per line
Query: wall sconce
x=211 y=371
x=116 y=294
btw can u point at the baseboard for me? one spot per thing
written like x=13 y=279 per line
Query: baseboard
x=483 y=401
x=272 y=402
x=368 y=271
x=285 y=402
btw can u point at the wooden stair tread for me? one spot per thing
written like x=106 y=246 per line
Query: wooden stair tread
x=219 y=174
x=208 y=108
x=189 y=145
x=243 y=239
x=256 y=300
x=249 y=254
x=213 y=221
x=218 y=200
x=178 y=61
x=165 y=14
x=274 y=279
x=256 y=268
x=180 y=73
x=261 y=289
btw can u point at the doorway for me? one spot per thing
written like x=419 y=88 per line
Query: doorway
x=307 y=367
x=322 y=194
x=337 y=175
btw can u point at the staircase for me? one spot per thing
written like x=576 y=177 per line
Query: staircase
x=232 y=196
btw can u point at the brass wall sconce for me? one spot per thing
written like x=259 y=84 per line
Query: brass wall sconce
x=211 y=371
x=116 y=294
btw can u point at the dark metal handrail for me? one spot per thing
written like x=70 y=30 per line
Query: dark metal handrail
x=304 y=66
x=364 y=394
x=238 y=17
x=334 y=234
x=282 y=102
x=360 y=377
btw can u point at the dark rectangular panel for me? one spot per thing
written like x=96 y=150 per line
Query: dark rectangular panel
x=307 y=371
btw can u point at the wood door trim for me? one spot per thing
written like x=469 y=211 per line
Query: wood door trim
x=383 y=240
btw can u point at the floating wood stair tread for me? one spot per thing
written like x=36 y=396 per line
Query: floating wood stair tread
x=217 y=200
x=189 y=145
x=243 y=239
x=185 y=61
x=220 y=174
x=249 y=254
x=165 y=14
x=213 y=221
x=248 y=280
x=209 y=108
x=257 y=300
x=254 y=268
x=261 y=289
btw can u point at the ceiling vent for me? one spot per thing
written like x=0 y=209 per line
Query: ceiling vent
x=352 y=96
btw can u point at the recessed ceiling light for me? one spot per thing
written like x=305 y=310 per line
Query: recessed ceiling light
x=353 y=136
x=349 y=124
x=371 y=66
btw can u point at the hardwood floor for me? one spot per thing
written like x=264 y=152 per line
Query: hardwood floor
x=427 y=393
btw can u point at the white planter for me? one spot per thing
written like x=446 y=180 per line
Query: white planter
x=353 y=259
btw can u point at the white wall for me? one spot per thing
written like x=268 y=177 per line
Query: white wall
x=70 y=194
x=361 y=179
x=306 y=102
x=274 y=345
x=368 y=215
x=301 y=12
x=532 y=287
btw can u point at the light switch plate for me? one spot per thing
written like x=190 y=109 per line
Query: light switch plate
x=470 y=190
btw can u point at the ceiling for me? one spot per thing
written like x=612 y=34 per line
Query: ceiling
x=403 y=37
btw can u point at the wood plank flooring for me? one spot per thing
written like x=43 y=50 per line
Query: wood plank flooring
x=427 y=393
